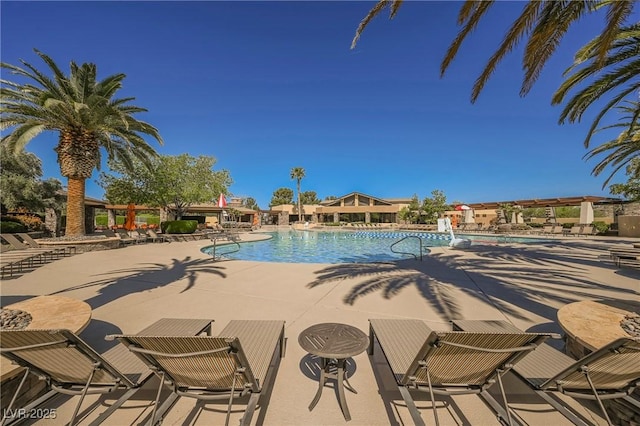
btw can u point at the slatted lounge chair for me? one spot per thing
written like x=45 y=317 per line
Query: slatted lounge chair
x=124 y=240
x=125 y=236
x=449 y=363
x=71 y=367
x=20 y=246
x=588 y=230
x=138 y=236
x=236 y=363
x=15 y=260
x=26 y=238
x=149 y=237
x=611 y=372
x=574 y=231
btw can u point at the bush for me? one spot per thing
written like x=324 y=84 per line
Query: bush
x=10 y=227
x=601 y=227
x=31 y=221
x=179 y=226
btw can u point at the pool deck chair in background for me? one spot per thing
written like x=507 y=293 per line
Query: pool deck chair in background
x=66 y=250
x=71 y=367
x=239 y=362
x=449 y=363
x=610 y=372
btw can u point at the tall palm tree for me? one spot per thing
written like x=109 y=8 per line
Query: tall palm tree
x=297 y=173
x=542 y=23
x=618 y=77
x=621 y=150
x=84 y=113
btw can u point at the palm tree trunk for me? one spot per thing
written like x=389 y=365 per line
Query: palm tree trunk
x=75 y=206
x=299 y=204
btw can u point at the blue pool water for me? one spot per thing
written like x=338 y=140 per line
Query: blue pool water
x=345 y=247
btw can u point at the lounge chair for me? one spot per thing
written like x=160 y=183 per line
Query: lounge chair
x=588 y=230
x=124 y=240
x=71 y=367
x=126 y=236
x=574 y=231
x=611 y=372
x=12 y=259
x=19 y=245
x=26 y=238
x=449 y=363
x=138 y=236
x=238 y=362
x=157 y=237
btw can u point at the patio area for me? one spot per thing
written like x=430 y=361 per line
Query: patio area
x=132 y=287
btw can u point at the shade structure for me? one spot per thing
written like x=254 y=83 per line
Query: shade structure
x=463 y=207
x=130 y=221
x=222 y=202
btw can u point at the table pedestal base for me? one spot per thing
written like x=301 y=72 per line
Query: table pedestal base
x=339 y=374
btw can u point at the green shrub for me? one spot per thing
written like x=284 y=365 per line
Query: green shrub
x=601 y=227
x=179 y=226
x=10 y=227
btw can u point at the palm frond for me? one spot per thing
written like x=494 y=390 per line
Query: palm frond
x=518 y=29
x=618 y=12
x=473 y=11
x=372 y=14
x=554 y=20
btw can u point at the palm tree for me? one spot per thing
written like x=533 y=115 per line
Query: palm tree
x=297 y=173
x=621 y=150
x=86 y=116
x=542 y=22
x=619 y=77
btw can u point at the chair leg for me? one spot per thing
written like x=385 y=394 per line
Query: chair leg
x=84 y=393
x=504 y=397
x=104 y=415
x=433 y=400
x=411 y=405
x=7 y=410
x=585 y=370
x=251 y=408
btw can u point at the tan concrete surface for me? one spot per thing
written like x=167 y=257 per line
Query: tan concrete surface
x=131 y=287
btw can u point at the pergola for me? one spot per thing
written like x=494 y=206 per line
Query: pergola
x=585 y=202
x=544 y=202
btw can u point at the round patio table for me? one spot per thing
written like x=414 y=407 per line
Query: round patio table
x=49 y=312
x=590 y=325
x=334 y=343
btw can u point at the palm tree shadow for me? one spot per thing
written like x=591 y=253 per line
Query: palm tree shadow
x=390 y=278
x=146 y=277
x=511 y=278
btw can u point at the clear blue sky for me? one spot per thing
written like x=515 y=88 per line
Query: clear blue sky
x=268 y=86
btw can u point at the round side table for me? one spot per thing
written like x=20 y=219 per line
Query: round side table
x=334 y=343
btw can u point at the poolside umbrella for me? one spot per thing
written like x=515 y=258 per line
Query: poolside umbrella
x=222 y=202
x=463 y=207
x=130 y=222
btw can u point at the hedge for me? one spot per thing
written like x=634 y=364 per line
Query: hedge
x=179 y=226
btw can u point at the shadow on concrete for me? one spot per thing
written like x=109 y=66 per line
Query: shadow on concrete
x=147 y=277
x=509 y=277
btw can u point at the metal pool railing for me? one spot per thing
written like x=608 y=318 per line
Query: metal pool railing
x=402 y=252
x=219 y=256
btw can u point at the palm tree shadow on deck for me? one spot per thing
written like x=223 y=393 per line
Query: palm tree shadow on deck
x=511 y=278
x=147 y=277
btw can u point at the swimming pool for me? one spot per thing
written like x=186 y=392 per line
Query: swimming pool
x=345 y=247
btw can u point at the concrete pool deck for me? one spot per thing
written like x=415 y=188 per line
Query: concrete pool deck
x=131 y=287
